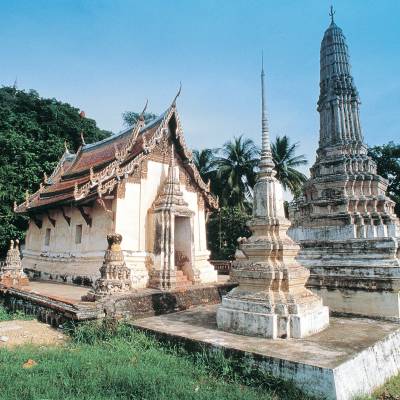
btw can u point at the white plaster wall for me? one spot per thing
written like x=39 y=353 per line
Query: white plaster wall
x=127 y=218
x=135 y=223
x=62 y=238
x=63 y=259
x=132 y=210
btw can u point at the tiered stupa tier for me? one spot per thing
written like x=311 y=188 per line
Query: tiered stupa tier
x=271 y=300
x=344 y=221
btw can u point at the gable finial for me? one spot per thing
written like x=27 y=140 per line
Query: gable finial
x=177 y=95
x=144 y=110
x=83 y=139
x=332 y=13
x=66 y=147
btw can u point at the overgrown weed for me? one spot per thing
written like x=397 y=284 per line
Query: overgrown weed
x=6 y=315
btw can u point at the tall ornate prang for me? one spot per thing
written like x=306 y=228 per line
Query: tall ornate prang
x=344 y=221
x=271 y=299
x=11 y=273
x=115 y=276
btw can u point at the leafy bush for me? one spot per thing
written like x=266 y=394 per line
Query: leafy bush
x=5 y=315
x=223 y=230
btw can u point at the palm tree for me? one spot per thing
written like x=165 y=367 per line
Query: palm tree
x=204 y=160
x=236 y=171
x=286 y=161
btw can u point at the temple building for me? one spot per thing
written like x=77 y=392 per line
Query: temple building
x=141 y=184
x=344 y=222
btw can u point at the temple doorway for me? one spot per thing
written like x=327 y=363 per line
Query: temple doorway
x=183 y=245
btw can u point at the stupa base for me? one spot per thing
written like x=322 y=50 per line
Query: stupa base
x=243 y=317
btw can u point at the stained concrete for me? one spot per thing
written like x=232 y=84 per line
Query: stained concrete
x=351 y=357
x=55 y=303
x=72 y=293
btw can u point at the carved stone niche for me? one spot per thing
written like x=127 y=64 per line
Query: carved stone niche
x=115 y=276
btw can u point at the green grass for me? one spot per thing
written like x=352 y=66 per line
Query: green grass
x=8 y=316
x=111 y=361
x=389 y=391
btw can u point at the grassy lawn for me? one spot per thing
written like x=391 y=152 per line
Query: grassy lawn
x=111 y=361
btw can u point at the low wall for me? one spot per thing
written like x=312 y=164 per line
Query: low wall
x=151 y=302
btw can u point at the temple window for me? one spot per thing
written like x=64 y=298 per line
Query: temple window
x=47 y=237
x=78 y=234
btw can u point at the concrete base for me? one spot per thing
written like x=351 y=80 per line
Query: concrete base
x=247 y=318
x=351 y=357
x=55 y=302
x=383 y=305
x=355 y=276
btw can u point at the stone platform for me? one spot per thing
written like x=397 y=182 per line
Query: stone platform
x=351 y=357
x=55 y=303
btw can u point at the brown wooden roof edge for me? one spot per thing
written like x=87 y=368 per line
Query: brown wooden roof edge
x=109 y=176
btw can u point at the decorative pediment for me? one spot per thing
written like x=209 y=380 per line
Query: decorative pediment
x=170 y=196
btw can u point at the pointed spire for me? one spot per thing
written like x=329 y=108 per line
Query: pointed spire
x=266 y=155
x=332 y=14
x=66 y=147
x=83 y=139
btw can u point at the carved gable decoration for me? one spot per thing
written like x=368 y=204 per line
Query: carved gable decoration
x=98 y=168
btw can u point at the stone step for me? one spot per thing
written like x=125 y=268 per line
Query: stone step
x=181 y=279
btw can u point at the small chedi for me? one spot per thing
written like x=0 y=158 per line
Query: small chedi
x=271 y=300
x=344 y=222
x=11 y=273
x=115 y=275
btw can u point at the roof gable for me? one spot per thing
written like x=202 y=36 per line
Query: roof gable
x=97 y=168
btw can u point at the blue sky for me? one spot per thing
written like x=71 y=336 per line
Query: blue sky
x=106 y=57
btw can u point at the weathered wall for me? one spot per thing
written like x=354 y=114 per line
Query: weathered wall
x=134 y=221
x=63 y=259
x=67 y=261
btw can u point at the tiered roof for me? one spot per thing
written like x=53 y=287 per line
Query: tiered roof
x=97 y=168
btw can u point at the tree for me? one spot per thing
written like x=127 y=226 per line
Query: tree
x=32 y=135
x=223 y=229
x=286 y=161
x=130 y=117
x=204 y=161
x=236 y=170
x=387 y=158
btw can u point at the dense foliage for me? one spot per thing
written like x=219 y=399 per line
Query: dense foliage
x=231 y=171
x=286 y=164
x=130 y=117
x=235 y=164
x=387 y=158
x=32 y=135
x=223 y=230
